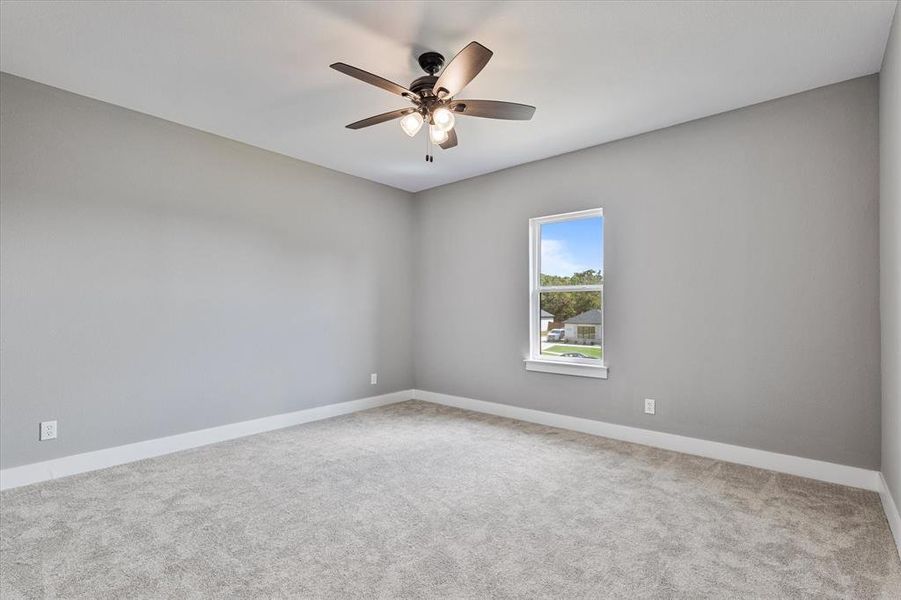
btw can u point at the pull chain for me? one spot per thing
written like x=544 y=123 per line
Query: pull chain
x=428 y=148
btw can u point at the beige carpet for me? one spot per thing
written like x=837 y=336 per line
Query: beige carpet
x=416 y=500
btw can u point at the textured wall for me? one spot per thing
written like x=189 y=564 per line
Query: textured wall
x=741 y=278
x=890 y=255
x=156 y=279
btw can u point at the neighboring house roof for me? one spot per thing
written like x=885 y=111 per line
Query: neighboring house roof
x=589 y=317
x=546 y=315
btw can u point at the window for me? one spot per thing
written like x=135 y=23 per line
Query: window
x=566 y=295
x=585 y=332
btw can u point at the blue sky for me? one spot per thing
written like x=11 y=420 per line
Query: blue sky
x=569 y=247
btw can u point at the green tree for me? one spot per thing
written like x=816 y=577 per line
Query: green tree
x=566 y=305
x=588 y=277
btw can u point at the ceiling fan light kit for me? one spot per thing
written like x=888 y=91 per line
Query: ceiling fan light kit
x=433 y=96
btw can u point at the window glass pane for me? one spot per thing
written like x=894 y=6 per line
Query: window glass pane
x=572 y=325
x=572 y=252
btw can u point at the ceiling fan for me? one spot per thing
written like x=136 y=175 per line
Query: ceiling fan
x=433 y=96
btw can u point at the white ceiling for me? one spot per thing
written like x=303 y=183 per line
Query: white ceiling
x=597 y=71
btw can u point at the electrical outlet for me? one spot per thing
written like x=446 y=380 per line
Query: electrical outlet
x=48 y=430
x=373 y=378
x=650 y=406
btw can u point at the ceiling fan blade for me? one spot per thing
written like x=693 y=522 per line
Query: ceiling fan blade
x=451 y=140
x=493 y=109
x=388 y=116
x=462 y=69
x=375 y=80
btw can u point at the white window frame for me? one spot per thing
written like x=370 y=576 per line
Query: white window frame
x=583 y=367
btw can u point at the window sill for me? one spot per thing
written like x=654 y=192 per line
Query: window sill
x=578 y=370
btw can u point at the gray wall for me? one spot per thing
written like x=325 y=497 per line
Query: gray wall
x=157 y=280
x=890 y=256
x=742 y=278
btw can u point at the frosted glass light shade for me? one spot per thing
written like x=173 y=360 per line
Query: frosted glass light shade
x=443 y=119
x=438 y=135
x=411 y=123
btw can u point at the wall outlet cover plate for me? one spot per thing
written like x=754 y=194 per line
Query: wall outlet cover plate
x=47 y=431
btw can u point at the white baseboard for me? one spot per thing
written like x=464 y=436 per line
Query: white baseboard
x=891 y=511
x=783 y=463
x=109 y=457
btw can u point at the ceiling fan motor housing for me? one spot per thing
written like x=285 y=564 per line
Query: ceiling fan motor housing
x=423 y=85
